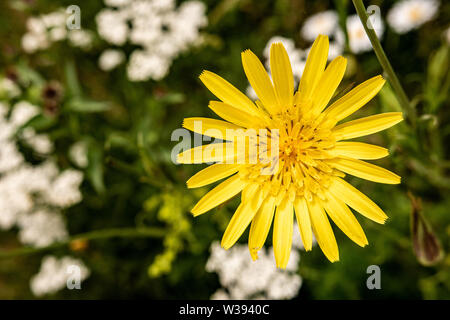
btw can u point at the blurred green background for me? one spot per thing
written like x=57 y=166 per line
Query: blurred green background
x=130 y=181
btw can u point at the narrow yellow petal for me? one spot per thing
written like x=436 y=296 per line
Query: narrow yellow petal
x=210 y=127
x=213 y=152
x=304 y=222
x=355 y=99
x=365 y=170
x=314 y=68
x=224 y=191
x=260 y=227
x=328 y=83
x=357 y=200
x=233 y=115
x=260 y=81
x=212 y=174
x=358 y=150
x=282 y=76
x=323 y=231
x=237 y=225
x=368 y=125
x=282 y=233
x=226 y=92
x=345 y=220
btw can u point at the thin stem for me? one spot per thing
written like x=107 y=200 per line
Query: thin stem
x=93 y=235
x=384 y=61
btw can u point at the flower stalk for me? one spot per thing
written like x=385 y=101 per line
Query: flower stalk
x=93 y=235
x=409 y=110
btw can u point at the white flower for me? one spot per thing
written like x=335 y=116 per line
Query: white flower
x=36 y=25
x=58 y=33
x=161 y=29
x=32 y=42
x=9 y=88
x=64 y=191
x=22 y=112
x=78 y=154
x=251 y=93
x=242 y=278
x=112 y=26
x=325 y=22
x=10 y=157
x=407 y=15
x=117 y=3
x=80 y=38
x=55 y=274
x=42 y=228
x=110 y=59
x=40 y=143
x=55 y=19
x=358 y=40
x=144 y=65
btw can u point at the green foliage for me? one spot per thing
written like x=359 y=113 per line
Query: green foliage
x=131 y=181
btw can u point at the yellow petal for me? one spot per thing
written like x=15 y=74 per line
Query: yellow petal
x=328 y=83
x=213 y=152
x=314 y=68
x=355 y=99
x=226 y=92
x=323 y=231
x=212 y=174
x=357 y=200
x=365 y=170
x=345 y=220
x=368 y=125
x=260 y=227
x=210 y=127
x=282 y=76
x=224 y=191
x=282 y=233
x=238 y=223
x=260 y=81
x=358 y=150
x=304 y=222
x=233 y=115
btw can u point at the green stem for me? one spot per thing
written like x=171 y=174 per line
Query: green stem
x=384 y=61
x=93 y=235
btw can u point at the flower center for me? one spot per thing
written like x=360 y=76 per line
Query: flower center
x=299 y=168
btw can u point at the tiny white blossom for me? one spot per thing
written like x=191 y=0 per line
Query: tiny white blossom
x=358 y=40
x=42 y=228
x=408 y=15
x=110 y=59
x=325 y=22
x=54 y=274
x=242 y=278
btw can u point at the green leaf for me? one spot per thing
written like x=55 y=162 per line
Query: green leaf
x=86 y=106
x=95 y=171
x=72 y=83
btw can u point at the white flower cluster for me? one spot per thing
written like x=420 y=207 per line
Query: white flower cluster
x=326 y=22
x=45 y=29
x=158 y=27
x=55 y=274
x=242 y=278
x=31 y=196
x=408 y=15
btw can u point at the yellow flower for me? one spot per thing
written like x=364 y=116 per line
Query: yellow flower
x=304 y=171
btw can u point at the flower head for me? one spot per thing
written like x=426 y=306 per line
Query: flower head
x=295 y=156
x=407 y=15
